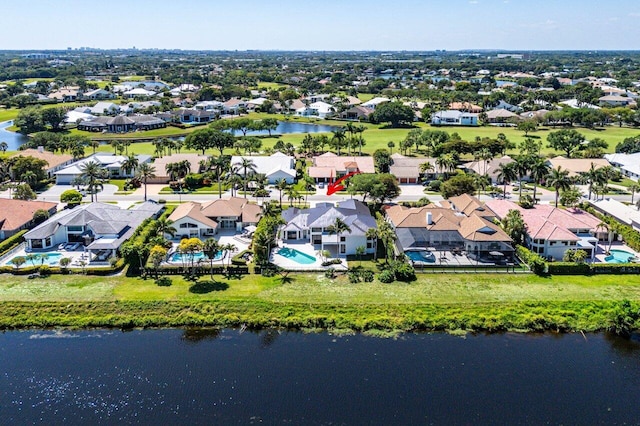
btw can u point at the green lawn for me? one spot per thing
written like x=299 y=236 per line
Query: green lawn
x=314 y=288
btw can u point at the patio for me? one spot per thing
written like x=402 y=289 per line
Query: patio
x=300 y=257
x=224 y=237
x=602 y=247
x=52 y=258
x=459 y=258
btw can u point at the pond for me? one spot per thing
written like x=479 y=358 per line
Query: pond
x=206 y=376
x=13 y=139
x=286 y=127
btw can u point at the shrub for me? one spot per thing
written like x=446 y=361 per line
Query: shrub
x=12 y=242
x=435 y=185
x=330 y=273
x=45 y=270
x=526 y=201
x=238 y=259
x=162 y=201
x=367 y=275
x=331 y=262
x=404 y=271
x=163 y=281
x=535 y=262
x=354 y=277
x=387 y=276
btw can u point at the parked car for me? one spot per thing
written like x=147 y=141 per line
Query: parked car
x=321 y=185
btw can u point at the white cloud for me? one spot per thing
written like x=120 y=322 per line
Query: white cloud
x=635 y=14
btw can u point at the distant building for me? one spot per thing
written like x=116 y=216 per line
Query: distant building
x=454 y=118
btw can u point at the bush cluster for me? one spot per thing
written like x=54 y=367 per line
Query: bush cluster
x=398 y=271
x=331 y=262
x=535 y=262
x=12 y=242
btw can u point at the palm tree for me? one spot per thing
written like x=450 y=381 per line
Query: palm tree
x=506 y=173
x=372 y=234
x=248 y=167
x=521 y=167
x=292 y=194
x=130 y=164
x=29 y=177
x=4 y=146
x=165 y=226
x=391 y=145
x=210 y=248
x=281 y=185
x=309 y=186
x=594 y=177
x=172 y=170
x=230 y=249
x=220 y=166
x=93 y=173
x=425 y=167
x=338 y=228
x=145 y=171
x=338 y=138
x=539 y=170
x=634 y=188
x=446 y=162
x=559 y=180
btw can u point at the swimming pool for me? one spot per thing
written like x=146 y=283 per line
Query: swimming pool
x=177 y=256
x=296 y=256
x=421 y=256
x=35 y=259
x=619 y=256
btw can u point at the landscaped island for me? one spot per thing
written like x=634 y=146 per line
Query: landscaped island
x=484 y=302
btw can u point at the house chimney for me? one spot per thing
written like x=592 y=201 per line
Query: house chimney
x=41 y=148
x=429 y=219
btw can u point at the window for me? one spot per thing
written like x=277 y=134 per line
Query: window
x=74 y=228
x=343 y=248
x=343 y=239
x=188 y=225
x=47 y=241
x=369 y=245
x=314 y=230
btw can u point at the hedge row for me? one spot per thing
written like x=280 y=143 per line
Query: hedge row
x=12 y=242
x=28 y=270
x=566 y=268
x=238 y=260
x=533 y=260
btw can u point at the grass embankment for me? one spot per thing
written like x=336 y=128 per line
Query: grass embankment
x=434 y=302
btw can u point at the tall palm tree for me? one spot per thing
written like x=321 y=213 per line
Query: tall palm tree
x=446 y=162
x=594 y=177
x=230 y=248
x=309 y=186
x=130 y=164
x=220 y=166
x=338 y=228
x=93 y=173
x=539 y=170
x=292 y=194
x=372 y=234
x=281 y=185
x=171 y=170
x=506 y=174
x=210 y=248
x=425 y=167
x=145 y=172
x=338 y=138
x=559 y=180
x=522 y=168
x=248 y=167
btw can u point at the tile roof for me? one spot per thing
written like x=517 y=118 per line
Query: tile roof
x=14 y=214
x=53 y=160
x=577 y=165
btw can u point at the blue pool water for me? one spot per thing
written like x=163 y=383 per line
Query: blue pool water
x=421 y=256
x=52 y=259
x=177 y=257
x=619 y=256
x=296 y=256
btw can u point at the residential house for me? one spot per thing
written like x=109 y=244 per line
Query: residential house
x=615 y=101
x=190 y=116
x=356 y=112
x=16 y=215
x=256 y=103
x=101 y=228
x=55 y=162
x=204 y=220
x=489 y=167
x=98 y=94
x=407 y=169
x=66 y=94
x=552 y=231
x=111 y=163
x=312 y=226
x=209 y=106
x=628 y=164
x=160 y=164
x=454 y=118
x=139 y=92
x=375 y=102
x=328 y=166
x=75 y=117
x=509 y=107
x=103 y=108
x=275 y=167
x=535 y=115
x=502 y=116
x=575 y=103
x=461 y=223
x=577 y=166
x=621 y=212
x=234 y=106
x=316 y=109
x=465 y=107
x=122 y=123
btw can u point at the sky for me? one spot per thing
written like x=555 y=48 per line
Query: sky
x=322 y=25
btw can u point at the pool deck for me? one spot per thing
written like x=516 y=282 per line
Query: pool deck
x=76 y=256
x=306 y=248
x=223 y=238
x=600 y=254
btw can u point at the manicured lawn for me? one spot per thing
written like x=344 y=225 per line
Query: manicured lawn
x=8 y=114
x=314 y=288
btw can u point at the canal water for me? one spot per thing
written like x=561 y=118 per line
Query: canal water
x=271 y=377
x=286 y=127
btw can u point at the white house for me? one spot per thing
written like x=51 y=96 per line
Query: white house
x=454 y=118
x=310 y=225
x=629 y=164
x=373 y=103
x=100 y=228
x=139 y=92
x=275 y=167
x=98 y=94
x=317 y=109
x=111 y=163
